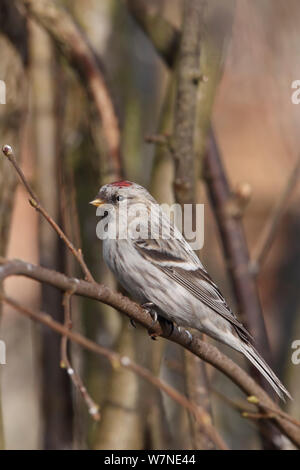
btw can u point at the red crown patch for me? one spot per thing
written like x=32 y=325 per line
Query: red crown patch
x=121 y=184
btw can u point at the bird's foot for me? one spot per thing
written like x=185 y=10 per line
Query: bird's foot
x=150 y=307
x=132 y=322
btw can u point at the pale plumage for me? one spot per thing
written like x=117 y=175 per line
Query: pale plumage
x=168 y=273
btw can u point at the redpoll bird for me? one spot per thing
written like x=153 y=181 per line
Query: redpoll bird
x=166 y=272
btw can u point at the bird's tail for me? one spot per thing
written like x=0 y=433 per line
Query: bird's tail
x=250 y=352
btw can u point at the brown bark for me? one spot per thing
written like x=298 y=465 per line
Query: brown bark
x=203 y=350
x=184 y=179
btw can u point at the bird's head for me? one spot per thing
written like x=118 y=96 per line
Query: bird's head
x=114 y=194
x=127 y=208
x=119 y=204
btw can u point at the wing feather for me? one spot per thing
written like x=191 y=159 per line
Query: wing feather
x=197 y=281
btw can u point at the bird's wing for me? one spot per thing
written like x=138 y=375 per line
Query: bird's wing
x=191 y=275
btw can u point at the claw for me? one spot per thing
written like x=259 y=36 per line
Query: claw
x=154 y=317
x=189 y=336
x=150 y=307
x=132 y=322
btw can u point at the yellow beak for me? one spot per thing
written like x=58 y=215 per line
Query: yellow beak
x=97 y=202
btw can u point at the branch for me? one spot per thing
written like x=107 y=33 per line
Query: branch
x=235 y=248
x=164 y=35
x=186 y=99
x=13 y=25
x=203 y=350
x=237 y=260
x=34 y=201
x=268 y=234
x=80 y=55
x=66 y=364
x=244 y=410
x=117 y=361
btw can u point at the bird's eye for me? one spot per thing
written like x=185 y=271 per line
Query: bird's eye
x=119 y=198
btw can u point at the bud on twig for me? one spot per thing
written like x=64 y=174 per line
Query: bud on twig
x=7 y=150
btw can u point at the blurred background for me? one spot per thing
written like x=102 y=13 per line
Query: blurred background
x=250 y=55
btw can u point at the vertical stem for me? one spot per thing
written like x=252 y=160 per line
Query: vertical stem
x=185 y=109
x=57 y=413
x=235 y=249
x=237 y=259
x=184 y=182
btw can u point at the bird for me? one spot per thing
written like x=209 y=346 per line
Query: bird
x=164 y=274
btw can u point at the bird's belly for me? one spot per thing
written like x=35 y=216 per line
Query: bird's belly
x=147 y=283
x=122 y=263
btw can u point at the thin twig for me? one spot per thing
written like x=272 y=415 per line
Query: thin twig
x=203 y=350
x=117 y=361
x=245 y=413
x=242 y=408
x=238 y=406
x=161 y=139
x=283 y=415
x=164 y=140
x=252 y=415
x=34 y=201
x=93 y=407
x=164 y=35
x=270 y=229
